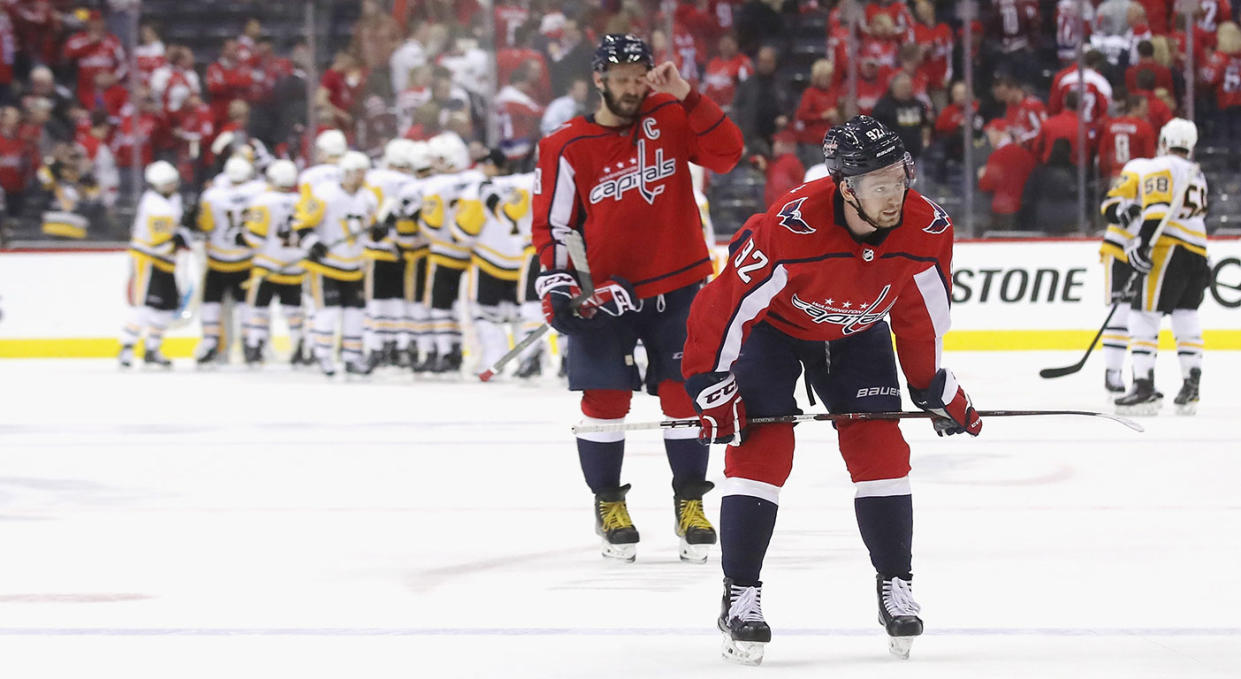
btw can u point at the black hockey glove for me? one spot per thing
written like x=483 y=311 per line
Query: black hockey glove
x=316 y=250
x=379 y=231
x=949 y=402
x=1139 y=256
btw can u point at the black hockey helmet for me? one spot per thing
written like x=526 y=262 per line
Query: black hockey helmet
x=861 y=145
x=620 y=48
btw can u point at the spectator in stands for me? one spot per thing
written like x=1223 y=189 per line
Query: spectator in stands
x=519 y=115
x=951 y=122
x=110 y=96
x=471 y=66
x=1064 y=125
x=174 y=82
x=339 y=88
x=416 y=93
x=758 y=22
x=1013 y=30
x=1023 y=112
x=1157 y=14
x=510 y=59
x=409 y=55
x=563 y=109
x=69 y=196
x=375 y=39
x=1146 y=62
x=1098 y=90
x=1226 y=82
x=763 y=101
x=935 y=39
x=1127 y=136
x=872 y=83
x=40 y=129
x=447 y=96
x=1158 y=112
x=909 y=60
x=15 y=157
x=94 y=51
x=150 y=54
x=193 y=128
x=783 y=169
x=37 y=24
x=882 y=40
x=228 y=79
x=100 y=163
x=569 y=57
x=1005 y=174
x=820 y=105
x=725 y=72
x=43 y=85
x=426 y=122
x=8 y=57
x=1049 y=202
x=289 y=95
x=905 y=114
x=148 y=129
x=1073 y=22
x=251 y=31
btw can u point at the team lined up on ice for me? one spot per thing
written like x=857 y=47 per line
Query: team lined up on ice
x=380 y=252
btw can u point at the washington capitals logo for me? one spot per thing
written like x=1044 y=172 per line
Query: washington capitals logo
x=637 y=174
x=940 y=223
x=852 y=317
x=790 y=217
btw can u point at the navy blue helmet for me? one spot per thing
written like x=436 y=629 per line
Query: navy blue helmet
x=618 y=48
x=861 y=145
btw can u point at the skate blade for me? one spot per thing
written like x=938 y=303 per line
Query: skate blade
x=694 y=553
x=1150 y=409
x=742 y=652
x=625 y=553
x=1187 y=409
x=900 y=646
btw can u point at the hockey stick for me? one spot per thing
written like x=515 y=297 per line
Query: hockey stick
x=577 y=255
x=845 y=417
x=1050 y=373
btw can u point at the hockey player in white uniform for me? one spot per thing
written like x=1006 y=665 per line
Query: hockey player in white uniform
x=1167 y=246
x=333 y=220
x=220 y=216
x=415 y=337
x=449 y=257
x=330 y=147
x=277 y=272
x=156 y=236
x=385 y=276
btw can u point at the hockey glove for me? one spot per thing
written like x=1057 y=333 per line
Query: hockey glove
x=721 y=412
x=181 y=238
x=557 y=289
x=316 y=250
x=614 y=297
x=1139 y=256
x=945 y=398
x=379 y=231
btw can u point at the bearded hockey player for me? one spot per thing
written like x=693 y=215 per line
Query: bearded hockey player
x=620 y=177
x=820 y=284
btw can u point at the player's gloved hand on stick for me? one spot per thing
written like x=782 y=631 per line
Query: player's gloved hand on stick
x=614 y=297
x=1139 y=255
x=721 y=411
x=181 y=238
x=379 y=230
x=945 y=398
x=316 y=250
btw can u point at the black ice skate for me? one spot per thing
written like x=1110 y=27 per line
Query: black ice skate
x=612 y=523
x=448 y=363
x=426 y=363
x=1114 y=382
x=254 y=355
x=746 y=633
x=898 y=613
x=299 y=358
x=126 y=357
x=692 y=526
x=153 y=358
x=405 y=359
x=208 y=358
x=359 y=368
x=530 y=366
x=1186 y=400
x=327 y=366
x=390 y=355
x=1142 y=399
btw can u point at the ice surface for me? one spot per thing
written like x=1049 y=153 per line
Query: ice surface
x=234 y=524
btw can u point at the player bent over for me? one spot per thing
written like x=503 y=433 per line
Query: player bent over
x=332 y=220
x=1172 y=263
x=277 y=272
x=819 y=284
x=620 y=177
x=156 y=236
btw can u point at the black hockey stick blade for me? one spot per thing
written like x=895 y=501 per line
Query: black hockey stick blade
x=1048 y=373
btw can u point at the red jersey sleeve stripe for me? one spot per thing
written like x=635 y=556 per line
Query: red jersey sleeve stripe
x=752 y=304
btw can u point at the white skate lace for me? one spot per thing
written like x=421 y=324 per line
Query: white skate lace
x=898 y=598
x=747 y=604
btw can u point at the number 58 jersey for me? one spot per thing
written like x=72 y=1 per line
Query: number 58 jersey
x=800 y=269
x=1152 y=184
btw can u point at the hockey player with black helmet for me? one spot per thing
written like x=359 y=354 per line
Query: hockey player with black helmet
x=820 y=284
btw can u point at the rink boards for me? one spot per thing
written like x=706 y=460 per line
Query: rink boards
x=1010 y=295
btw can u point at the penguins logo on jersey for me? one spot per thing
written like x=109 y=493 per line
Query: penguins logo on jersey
x=852 y=317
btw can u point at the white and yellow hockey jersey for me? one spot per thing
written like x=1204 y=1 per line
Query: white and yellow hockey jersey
x=317 y=174
x=413 y=242
x=341 y=221
x=269 y=231
x=495 y=217
x=221 y=213
x=388 y=186
x=439 y=212
x=155 y=222
x=1152 y=184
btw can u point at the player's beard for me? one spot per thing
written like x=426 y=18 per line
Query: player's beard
x=626 y=107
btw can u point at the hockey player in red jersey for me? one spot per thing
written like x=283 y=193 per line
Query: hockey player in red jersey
x=619 y=177
x=819 y=284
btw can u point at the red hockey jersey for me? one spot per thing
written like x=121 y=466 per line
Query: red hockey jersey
x=801 y=270
x=629 y=193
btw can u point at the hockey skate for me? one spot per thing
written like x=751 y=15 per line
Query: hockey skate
x=327 y=366
x=692 y=526
x=390 y=355
x=406 y=358
x=426 y=363
x=449 y=363
x=155 y=359
x=898 y=613
x=254 y=355
x=1114 y=382
x=612 y=523
x=530 y=366
x=1186 y=400
x=126 y=357
x=746 y=633
x=359 y=368
x=1142 y=399
x=207 y=359
x=298 y=358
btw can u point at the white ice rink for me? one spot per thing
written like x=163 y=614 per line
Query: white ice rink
x=276 y=525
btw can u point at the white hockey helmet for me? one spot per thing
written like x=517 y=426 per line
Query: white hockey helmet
x=448 y=152
x=238 y=170
x=282 y=173
x=354 y=163
x=331 y=145
x=1178 y=133
x=397 y=154
x=161 y=175
x=420 y=156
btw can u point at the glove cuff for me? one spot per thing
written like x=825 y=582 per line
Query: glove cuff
x=548 y=280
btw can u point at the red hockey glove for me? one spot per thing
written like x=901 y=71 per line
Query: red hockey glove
x=945 y=398
x=614 y=297
x=557 y=289
x=720 y=408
